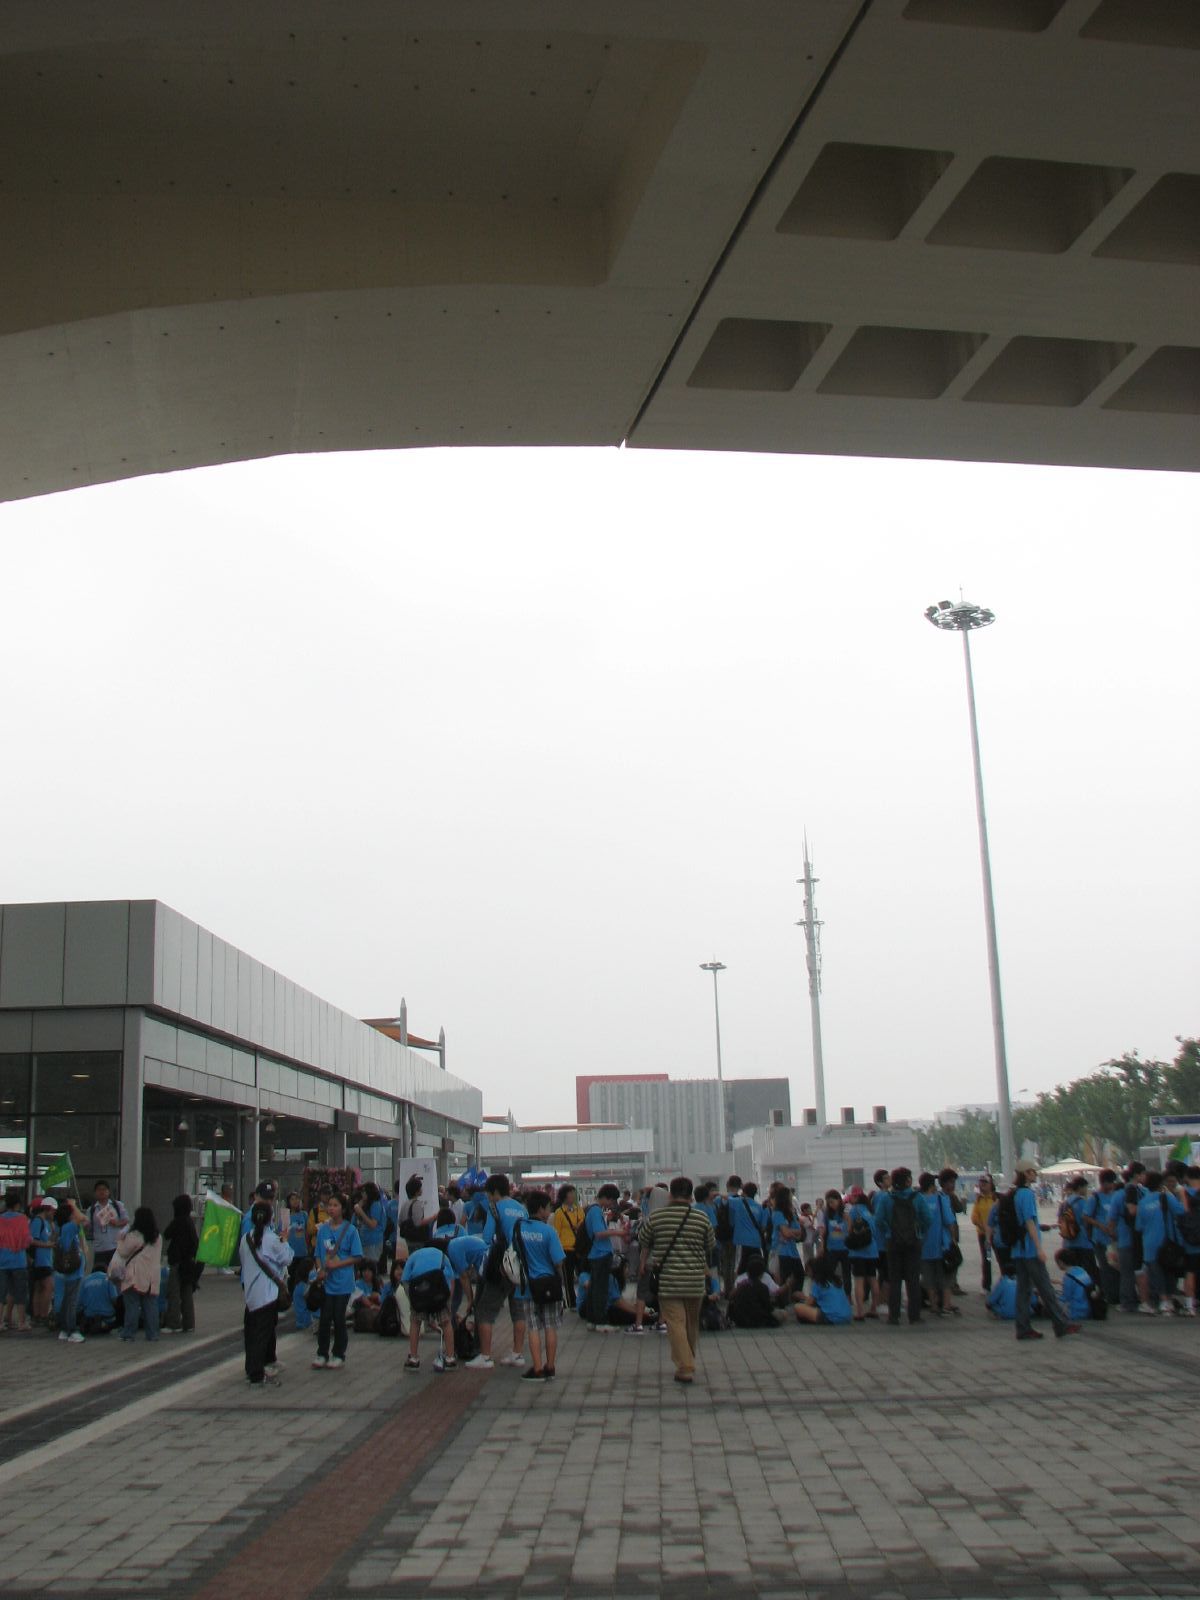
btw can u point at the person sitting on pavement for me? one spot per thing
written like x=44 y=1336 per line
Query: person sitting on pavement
x=752 y=1304
x=826 y=1301
x=99 y=1306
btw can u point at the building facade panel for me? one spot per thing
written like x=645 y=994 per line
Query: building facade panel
x=32 y=943
x=96 y=953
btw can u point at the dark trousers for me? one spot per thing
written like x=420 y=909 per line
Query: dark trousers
x=985 y=1260
x=333 y=1315
x=839 y=1261
x=1031 y=1274
x=1107 y=1276
x=568 y=1268
x=904 y=1273
x=181 y=1311
x=597 y=1301
x=259 y=1329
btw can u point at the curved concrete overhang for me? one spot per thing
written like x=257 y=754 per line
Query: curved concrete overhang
x=961 y=228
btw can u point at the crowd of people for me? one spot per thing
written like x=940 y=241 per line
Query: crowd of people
x=674 y=1258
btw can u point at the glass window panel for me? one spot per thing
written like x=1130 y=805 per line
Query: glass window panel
x=268 y=1074
x=288 y=1081
x=192 y=1050
x=218 y=1058
x=14 y=1084
x=77 y=1080
x=158 y=1039
x=243 y=1067
x=90 y=1140
x=14 y=1142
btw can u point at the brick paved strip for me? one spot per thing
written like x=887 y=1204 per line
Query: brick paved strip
x=325 y=1525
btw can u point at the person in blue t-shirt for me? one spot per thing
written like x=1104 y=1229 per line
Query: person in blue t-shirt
x=599 y=1236
x=297 y=1227
x=863 y=1261
x=68 y=1284
x=338 y=1251
x=833 y=1238
x=264 y=1194
x=41 y=1268
x=97 y=1303
x=940 y=1233
x=542 y=1255
x=496 y=1207
x=370 y=1218
x=428 y=1277
x=1099 y=1218
x=467 y=1252
x=1029 y=1260
x=1129 y=1240
x=826 y=1300
x=1157 y=1217
x=746 y=1215
x=787 y=1232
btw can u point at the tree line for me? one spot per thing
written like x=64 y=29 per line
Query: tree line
x=1105 y=1116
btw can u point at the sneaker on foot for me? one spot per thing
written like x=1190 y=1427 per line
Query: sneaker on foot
x=1147 y=1311
x=512 y=1359
x=1166 y=1308
x=63 y=1337
x=273 y=1369
x=1071 y=1327
x=548 y=1374
x=412 y=1363
x=635 y=1329
x=335 y=1361
x=1188 y=1311
x=481 y=1363
x=75 y=1338
x=319 y=1361
x=439 y=1362
x=533 y=1376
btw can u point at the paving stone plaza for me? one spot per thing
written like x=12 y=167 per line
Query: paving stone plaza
x=944 y=1460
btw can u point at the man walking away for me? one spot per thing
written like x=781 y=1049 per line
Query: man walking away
x=678 y=1241
x=900 y=1224
x=1028 y=1255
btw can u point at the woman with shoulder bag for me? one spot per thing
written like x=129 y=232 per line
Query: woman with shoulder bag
x=265 y=1259
x=182 y=1269
x=136 y=1268
x=566 y=1220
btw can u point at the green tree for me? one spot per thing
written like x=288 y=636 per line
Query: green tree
x=1181 y=1081
x=970 y=1145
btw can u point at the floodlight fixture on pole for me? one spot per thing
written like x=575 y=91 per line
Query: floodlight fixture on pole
x=965 y=618
x=714 y=966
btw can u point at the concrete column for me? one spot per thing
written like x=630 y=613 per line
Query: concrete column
x=247 y=1157
x=333 y=1148
x=397 y=1158
x=133 y=1135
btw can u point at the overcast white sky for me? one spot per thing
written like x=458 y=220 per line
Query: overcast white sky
x=526 y=736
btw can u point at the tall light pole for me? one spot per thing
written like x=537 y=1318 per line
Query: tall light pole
x=965 y=618
x=812 y=946
x=714 y=966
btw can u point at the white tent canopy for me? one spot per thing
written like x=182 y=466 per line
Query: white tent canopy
x=1065 y=1169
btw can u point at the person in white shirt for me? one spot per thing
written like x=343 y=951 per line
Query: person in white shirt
x=265 y=1260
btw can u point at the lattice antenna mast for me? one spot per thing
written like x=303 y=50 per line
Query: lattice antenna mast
x=812 y=949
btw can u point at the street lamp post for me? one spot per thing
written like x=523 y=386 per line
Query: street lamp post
x=714 y=966
x=965 y=618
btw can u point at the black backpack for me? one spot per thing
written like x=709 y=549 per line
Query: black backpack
x=428 y=1292
x=583 y=1244
x=859 y=1235
x=1188 y=1226
x=388 y=1324
x=904 y=1219
x=410 y=1231
x=466 y=1340
x=1008 y=1224
x=724 y=1227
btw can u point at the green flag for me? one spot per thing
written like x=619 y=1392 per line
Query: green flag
x=59 y=1171
x=219 y=1234
x=1182 y=1151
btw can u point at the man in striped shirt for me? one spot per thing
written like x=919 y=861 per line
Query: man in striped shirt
x=677 y=1242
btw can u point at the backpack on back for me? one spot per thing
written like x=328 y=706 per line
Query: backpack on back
x=1068 y=1223
x=411 y=1232
x=388 y=1325
x=66 y=1257
x=428 y=1292
x=1008 y=1224
x=724 y=1227
x=1188 y=1226
x=583 y=1243
x=904 y=1219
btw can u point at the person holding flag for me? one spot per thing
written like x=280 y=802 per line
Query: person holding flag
x=107 y=1220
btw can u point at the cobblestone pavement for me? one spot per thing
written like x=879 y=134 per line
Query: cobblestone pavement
x=944 y=1460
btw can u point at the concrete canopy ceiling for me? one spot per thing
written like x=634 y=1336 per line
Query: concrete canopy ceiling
x=960 y=228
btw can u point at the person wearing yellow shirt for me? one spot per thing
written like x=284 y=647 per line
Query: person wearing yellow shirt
x=985 y=1199
x=566 y=1219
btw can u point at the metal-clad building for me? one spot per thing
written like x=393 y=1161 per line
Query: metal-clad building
x=163 y=1058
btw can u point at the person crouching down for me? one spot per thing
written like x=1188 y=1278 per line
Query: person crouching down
x=828 y=1301
x=428 y=1279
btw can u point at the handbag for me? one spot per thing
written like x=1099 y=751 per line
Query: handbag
x=314 y=1296
x=119 y=1264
